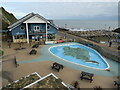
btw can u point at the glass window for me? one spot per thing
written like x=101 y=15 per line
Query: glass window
x=36 y=28
x=48 y=27
x=16 y=37
x=22 y=28
x=24 y=36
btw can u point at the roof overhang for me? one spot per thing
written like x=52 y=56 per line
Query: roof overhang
x=31 y=18
x=36 y=19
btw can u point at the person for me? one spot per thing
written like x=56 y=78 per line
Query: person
x=9 y=44
x=20 y=44
x=76 y=85
x=15 y=61
x=30 y=44
x=110 y=43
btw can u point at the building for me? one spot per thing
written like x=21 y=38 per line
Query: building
x=32 y=28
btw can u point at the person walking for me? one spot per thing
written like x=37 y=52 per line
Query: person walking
x=15 y=61
x=110 y=43
x=9 y=44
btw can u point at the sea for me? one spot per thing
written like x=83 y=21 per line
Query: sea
x=86 y=25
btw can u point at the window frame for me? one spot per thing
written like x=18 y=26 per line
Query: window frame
x=48 y=28
x=36 y=28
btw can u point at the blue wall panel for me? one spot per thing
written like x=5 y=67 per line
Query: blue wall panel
x=52 y=29
x=32 y=25
x=19 y=31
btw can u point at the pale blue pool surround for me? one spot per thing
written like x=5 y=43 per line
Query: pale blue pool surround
x=58 y=51
x=45 y=55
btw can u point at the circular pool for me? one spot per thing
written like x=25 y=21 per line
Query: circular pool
x=79 y=54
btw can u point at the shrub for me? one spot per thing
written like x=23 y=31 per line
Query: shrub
x=1 y=52
x=118 y=47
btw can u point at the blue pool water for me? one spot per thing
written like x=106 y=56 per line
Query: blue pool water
x=58 y=51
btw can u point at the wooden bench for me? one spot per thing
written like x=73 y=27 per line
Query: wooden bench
x=19 y=48
x=117 y=83
x=57 y=66
x=87 y=76
x=33 y=51
x=35 y=46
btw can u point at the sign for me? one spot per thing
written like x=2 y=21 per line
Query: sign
x=44 y=35
x=18 y=33
x=49 y=42
x=40 y=36
x=33 y=37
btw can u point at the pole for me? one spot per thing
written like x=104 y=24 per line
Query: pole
x=65 y=29
x=46 y=32
x=27 y=33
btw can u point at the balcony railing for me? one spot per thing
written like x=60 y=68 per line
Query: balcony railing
x=36 y=32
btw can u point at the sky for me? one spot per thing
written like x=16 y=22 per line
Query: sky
x=65 y=10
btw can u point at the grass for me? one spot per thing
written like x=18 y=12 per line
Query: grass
x=102 y=38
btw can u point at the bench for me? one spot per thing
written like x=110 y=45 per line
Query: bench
x=117 y=83
x=87 y=76
x=33 y=51
x=57 y=66
x=19 y=48
x=35 y=46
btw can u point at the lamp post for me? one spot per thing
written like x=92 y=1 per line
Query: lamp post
x=109 y=32
x=105 y=26
x=65 y=26
x=65 y=30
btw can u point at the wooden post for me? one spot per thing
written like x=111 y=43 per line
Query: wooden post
x=13 y=38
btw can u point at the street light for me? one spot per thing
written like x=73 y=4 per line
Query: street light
x=65 y=30
x=105 y=26
x=65 y=26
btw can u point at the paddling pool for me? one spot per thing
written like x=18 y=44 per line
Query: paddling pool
x=59 y=51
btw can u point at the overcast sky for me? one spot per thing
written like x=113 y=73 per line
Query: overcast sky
x=65 y=10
